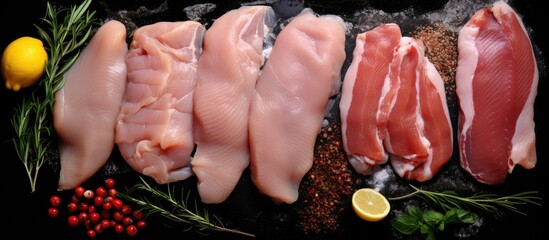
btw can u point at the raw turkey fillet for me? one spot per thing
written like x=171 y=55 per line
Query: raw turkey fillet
x=496 y=83
x=154 y=130
x=227 y=73
x=287 y=110
x=85 y=109
x=366 y=94
x=419 y=132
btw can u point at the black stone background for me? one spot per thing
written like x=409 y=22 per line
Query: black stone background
x=25 y=214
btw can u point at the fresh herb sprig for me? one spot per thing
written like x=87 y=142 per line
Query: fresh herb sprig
x=431 y=222
x=177 y=209
x=491 y=203
x=33 y=140
x=63 y=42
x=457 y=209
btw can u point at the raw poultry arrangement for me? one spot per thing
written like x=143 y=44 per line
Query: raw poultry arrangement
x=298 y=111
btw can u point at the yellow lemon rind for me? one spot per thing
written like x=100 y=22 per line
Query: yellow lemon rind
x=367 y=216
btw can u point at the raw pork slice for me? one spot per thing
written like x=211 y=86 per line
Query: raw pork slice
x=287 y=110
x=85 y=109
x=366 y=94
x=154 y=131
x=496 y=83
x=419 y=133
x=227 y=73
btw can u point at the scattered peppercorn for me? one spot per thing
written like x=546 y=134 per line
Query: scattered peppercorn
x=441 y=49
x=326 y=184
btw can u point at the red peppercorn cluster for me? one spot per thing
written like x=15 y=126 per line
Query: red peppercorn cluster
x=99 y=210
x=441 y=49
x=327 y=184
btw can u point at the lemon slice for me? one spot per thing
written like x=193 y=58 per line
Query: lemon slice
x=370 y=205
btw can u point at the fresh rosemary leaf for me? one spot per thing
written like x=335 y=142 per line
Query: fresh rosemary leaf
x=34 y=133
x=490 y=203
x=154 y=201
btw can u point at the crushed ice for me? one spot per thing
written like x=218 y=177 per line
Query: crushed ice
x=195 y=12
x=453 y=15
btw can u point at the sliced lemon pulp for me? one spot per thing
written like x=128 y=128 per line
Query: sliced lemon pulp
x=370 y=204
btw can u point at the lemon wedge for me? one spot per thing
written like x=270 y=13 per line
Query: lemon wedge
x=370 y=204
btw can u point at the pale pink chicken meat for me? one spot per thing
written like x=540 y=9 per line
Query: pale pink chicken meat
x=227 y=73
x=287 y=110
x=85 y=109
x=496 y=84
x=366 y=94
x=154 y=130
x=419 y=132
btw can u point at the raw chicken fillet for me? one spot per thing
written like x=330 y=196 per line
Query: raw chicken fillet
x=287 y=110
x=227 y=73
x=154 y=130
x=85 y=109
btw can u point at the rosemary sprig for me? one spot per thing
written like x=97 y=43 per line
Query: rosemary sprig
x=178 y=210
x=34 y=132
x=491 y=203
x=64 y=40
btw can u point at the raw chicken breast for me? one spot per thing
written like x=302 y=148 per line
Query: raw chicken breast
x=496 y=83
x=419 y=133
x=227 y=73
x=155 y=131
x=85 y=109
x=366 y=94
x=287 y=110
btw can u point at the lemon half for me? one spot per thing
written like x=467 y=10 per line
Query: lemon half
x=23 y=62
x=370 y=204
